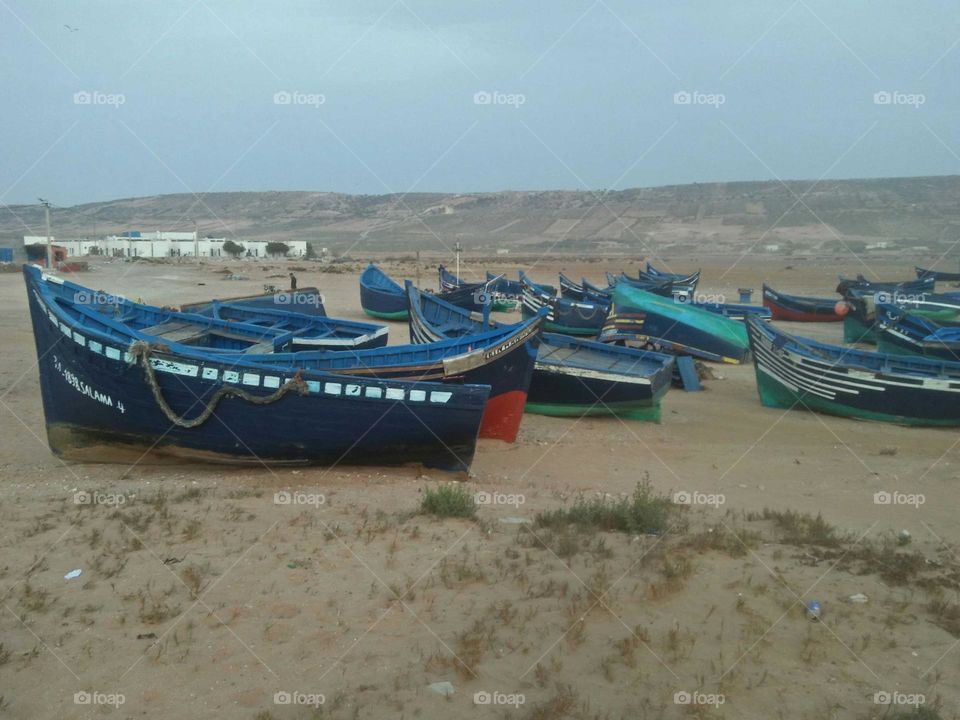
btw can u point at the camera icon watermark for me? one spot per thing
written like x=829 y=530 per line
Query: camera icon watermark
x=97 y=297
x=695 y=298
x=495 y=97
x=295 y=97
x=295 y=697
x=84 y=497
x=884 y=497
x=694 y=497
x=884 y=697
x=95 y=97
x=695 y=97
x=683 y=697
x=498 y=498
x=895 y=97
x=99 y=698
x=285 y=497
x=484 y=697
x=482 y=297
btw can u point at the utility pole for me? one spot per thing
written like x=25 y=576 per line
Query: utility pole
x=457 y=248
x=418 y=269
x=46 y=207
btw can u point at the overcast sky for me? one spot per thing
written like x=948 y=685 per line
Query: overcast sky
x=117 y=99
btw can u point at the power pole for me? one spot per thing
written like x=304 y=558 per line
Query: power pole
x=46 y=207
x=457 y=249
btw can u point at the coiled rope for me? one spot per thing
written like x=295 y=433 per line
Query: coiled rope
x=143 y=351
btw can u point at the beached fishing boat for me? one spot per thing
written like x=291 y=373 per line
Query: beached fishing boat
x=381 y=296
x=684 y=279
x=797 y=308
x=901 y=331
x=573 y=376
x=326 y=333
x=665 y=288
x=861 y=284
x=732 y=311
x=502 y=358
x=115 y=394
x=860 y=322
x=795 y=372
x=938 y=275
x=569 y=317
x=454 y=290
x=307 y=301
x=640 y=318
x=582 y=291
x=510 y=289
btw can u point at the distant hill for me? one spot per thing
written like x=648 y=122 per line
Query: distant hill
x=716 y=217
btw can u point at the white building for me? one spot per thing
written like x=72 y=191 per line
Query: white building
x=161 y=244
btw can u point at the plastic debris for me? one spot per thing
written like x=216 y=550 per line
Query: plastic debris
x=813 y=610
x=73 y=574
x=442 y=688
x=858 y=598
x=514 y=520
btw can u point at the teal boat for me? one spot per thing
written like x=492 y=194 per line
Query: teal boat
x=638 y=317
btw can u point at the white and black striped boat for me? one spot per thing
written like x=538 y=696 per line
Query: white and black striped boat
x=794 y=372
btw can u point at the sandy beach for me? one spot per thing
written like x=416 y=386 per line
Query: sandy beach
x=324 y=592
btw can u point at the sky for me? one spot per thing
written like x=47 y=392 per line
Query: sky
x=115 y=99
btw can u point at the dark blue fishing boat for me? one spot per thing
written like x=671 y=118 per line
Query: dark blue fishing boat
x=569 y=317
x=580 y=291
x=732 y=311
x=802 y=309
x=499 y=284
x=640 y=318
x=114 y=394
x=573 y=377
x=326 y=334
x=934 y=334
x=665 y=288
x=794 y=372
x=861 y=284
x=454 y=291
x=860 y=322
x=381 y=296
x=307 y=301
x=651 y=273
x=937 y=275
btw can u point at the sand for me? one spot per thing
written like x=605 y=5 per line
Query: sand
x=200 y=596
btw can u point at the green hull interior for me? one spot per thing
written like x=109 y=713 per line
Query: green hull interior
x=854 y=331
x=629 y=411
x=399 y=315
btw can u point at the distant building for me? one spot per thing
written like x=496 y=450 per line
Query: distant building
x=878 y=245
x=503 y=251
x=773 y=247
x=161 y=244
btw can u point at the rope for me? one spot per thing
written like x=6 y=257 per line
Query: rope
x=143 y=351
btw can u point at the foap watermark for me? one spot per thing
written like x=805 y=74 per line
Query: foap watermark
x=285 y=497
x=295 y=697
x=685 y=97
x=296 y=298
x=96 y=97
x=295 y=97
x=699 y=298
x=495 y=97
x=498 y=498
x=884 y=497
x=97 y=297
x=895 y=97
x=693 y=497
x=98 y=698
x=897 y=297
x=884 y=697
x=499 y=698
x=84 y=497
x=683 y=697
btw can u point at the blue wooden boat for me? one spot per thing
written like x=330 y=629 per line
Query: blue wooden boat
x=937 y=275
x=861 y=284
x=381 y=296
x=451 y=290
x=115 y=394
x=794 y=372
x=327 y=333
x=582 y=291
x=732 y=311
x=651 y=273
x=934 y=334
x=573 y=376
x=665 y=288
x=802 y=309
x=569 y=317
x=499 y=284
x=307 y=301
x=640 y=318
x=860 y=322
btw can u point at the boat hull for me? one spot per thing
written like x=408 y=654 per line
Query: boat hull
x=99 y=406
x=794 y=308
x=788 y=378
